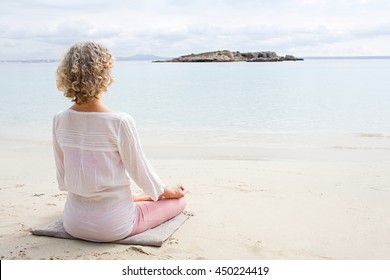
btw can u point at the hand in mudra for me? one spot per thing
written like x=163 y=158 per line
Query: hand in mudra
x=177 y=191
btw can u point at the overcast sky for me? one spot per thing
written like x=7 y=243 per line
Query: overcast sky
x=34 y=29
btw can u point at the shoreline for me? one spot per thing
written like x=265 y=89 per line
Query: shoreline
x=262 y=196
x=223 y=144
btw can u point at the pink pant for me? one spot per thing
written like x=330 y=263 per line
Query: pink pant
x=154 y=213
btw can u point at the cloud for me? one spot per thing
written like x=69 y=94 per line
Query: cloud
x=372 y=31
x=175 y=27
x=81 y=30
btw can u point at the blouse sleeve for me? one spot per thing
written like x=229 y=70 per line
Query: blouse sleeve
x=58 y=158
x=135 y=161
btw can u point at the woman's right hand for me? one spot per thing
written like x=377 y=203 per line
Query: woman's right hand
x=177 y=191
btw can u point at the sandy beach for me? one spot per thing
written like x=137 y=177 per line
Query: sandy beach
x=254 y=196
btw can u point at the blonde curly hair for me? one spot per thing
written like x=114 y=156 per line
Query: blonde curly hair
x=85 y=72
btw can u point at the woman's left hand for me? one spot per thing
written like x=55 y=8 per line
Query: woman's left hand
x=177 y=191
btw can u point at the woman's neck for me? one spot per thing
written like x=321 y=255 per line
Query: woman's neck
x=95 y=105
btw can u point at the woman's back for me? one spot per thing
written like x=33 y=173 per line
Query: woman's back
x=88 y=145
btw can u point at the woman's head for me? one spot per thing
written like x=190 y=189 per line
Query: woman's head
x=85 y=72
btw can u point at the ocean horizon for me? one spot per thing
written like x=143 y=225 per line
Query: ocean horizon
x=152 y=57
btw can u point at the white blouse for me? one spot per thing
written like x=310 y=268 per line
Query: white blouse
x=96 y=153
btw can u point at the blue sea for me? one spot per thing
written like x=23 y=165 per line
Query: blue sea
x=315 y=95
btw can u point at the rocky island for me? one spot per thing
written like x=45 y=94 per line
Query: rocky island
x=229 y=56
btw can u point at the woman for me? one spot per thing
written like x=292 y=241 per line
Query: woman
x=97 y=151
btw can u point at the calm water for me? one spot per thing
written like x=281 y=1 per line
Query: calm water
x=313 y=95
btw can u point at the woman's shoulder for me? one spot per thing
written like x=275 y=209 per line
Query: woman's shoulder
x=124 y=117
x=59 y=114
x=112 y=119
x=108 y=115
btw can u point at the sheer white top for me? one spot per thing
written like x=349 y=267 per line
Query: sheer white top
x=96 y=154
